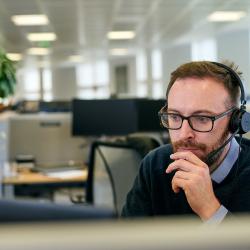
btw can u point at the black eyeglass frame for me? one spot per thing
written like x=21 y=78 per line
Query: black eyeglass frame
x=213 y=118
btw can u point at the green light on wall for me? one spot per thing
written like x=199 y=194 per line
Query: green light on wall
x=44 y=44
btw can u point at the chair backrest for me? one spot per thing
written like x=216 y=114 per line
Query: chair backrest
x=112 y=170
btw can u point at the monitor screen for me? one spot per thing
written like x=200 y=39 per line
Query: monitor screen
x=22 y=210
x=55 y=106
x=115 y=116
x=148 y=120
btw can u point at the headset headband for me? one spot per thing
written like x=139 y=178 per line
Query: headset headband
x=236 y=78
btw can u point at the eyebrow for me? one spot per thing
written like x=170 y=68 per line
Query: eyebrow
x=197 y=112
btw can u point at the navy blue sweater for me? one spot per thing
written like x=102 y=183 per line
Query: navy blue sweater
x=152 y=193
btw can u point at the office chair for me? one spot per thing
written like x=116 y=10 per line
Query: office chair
x=113 y=167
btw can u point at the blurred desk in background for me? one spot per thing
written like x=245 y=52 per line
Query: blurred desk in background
x=26 y=182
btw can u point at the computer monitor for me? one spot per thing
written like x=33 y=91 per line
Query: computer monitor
x=115 y=116
x=147 y=111
x=55 y=106
x=21 y=210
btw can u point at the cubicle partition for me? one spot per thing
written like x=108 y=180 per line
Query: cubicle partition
x=47 y=137
x=40 y=142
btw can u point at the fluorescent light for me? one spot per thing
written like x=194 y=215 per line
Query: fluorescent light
x=121 y=35
x=35 y=37
x=27 y=20
x=75 y=58
x=119 y=52
x=38 y=51
x=14 y=56
x=226 y=16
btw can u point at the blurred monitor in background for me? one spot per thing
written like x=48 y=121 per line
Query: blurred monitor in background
x=55 y=106
x=25 y=211
x=115 y=116
x=35 y=106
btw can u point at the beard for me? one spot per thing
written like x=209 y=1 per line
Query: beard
x=206 y=149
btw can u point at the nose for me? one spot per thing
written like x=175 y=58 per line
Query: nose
x=186 y=132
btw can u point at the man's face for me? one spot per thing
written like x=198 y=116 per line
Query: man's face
x=193 y=96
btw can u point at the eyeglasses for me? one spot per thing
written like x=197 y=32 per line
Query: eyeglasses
x=200 y=123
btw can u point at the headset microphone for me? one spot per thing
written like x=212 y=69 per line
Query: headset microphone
x=211 y=155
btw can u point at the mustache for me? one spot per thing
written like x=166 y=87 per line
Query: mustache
x=188 y=144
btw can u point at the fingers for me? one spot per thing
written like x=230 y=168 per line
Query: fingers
x=180 y=179
x=184 y=175
x=180 y=165
x=178 y=184
x=185 y=161
x=188 y=156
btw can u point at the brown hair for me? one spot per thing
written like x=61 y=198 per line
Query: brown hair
x=202 y=69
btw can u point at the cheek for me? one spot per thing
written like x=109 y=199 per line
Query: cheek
x=220 y=128
x=174 y=135
x=217 y=134
x=205 y=138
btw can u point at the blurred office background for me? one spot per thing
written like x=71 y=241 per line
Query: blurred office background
x=102 y=50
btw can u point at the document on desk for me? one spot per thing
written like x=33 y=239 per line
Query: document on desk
x=74 y=173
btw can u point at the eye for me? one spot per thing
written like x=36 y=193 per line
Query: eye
x=201 y=119
x=174 y=117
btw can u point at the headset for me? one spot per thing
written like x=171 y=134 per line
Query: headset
x=240 y=118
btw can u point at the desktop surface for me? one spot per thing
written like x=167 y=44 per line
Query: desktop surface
x=157 y=234
x=44 y=177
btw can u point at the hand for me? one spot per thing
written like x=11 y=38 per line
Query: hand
x=193 y=177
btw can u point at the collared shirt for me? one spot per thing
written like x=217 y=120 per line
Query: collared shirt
x=220 y=174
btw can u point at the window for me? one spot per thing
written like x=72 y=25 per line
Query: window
x=31 y=84
x=93 y=80
x=47 y=85
x=204 y=50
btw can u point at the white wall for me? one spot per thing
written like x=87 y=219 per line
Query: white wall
x=172 y=58
x=64 y=83
x=235 y=46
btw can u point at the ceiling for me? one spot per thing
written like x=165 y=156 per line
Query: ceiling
x=81 y=26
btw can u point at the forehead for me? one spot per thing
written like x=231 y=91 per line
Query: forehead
x=192 y=94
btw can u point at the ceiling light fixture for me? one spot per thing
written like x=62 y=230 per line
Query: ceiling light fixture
x=38 y=51
x=226 y=16
x=35 y=37
x=121 y=35
x=14 y=56
x=29 y=20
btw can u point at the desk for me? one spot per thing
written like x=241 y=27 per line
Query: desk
x=155 y=233
x=24 y=179
x=29 y=177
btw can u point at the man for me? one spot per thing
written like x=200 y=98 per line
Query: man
x=190 y=176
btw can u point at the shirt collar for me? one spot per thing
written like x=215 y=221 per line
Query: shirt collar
x=224 y=168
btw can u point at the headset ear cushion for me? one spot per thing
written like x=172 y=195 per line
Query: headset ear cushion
x=245 y=122
x=235 y=119
x=240 y=120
